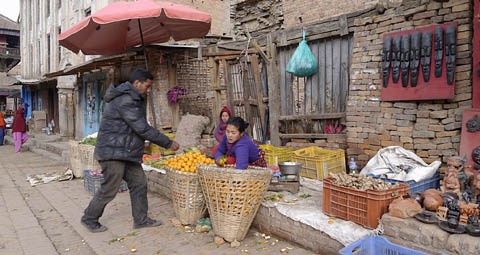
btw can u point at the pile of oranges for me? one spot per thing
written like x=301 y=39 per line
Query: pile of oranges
x=188 y=162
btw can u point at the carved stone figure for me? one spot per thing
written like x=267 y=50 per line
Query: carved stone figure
x=450 y=182
x=438 y=37
x=476 y=186
x=405 y=64
x=476 y=158
x=396 y=58
x=426 y=54
x=386 y=58
x=473 y=125
x=415 y=47
x=450 y=52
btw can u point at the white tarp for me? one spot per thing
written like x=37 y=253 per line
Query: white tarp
x=149 y=168
x=399 y=164
x=309 y=211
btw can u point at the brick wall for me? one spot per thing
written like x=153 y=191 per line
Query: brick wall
x=256 y=16
x=297 y=11
x=432 y=128
x=218 y=9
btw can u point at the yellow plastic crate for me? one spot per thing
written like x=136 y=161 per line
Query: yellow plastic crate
x=317 y=163
x=275 y=155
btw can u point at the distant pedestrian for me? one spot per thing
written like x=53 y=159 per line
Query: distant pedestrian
x=3 y=128
x=19 y=129
x=119 y=150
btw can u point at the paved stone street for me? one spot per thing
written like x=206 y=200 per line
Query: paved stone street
x=46 y=219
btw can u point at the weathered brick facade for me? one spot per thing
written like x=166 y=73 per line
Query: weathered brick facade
x=218 y=9
x=255 y=16
x=432 y=128
x=305 y=11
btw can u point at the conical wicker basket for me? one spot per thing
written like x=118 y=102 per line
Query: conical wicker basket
x=233 y=197
x=187 y=196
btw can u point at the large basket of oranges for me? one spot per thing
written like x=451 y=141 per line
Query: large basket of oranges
x=187 y=196
x=233 y=197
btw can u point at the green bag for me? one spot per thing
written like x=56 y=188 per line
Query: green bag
x=302 y=63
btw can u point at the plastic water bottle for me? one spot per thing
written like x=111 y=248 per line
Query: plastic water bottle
x=352 y=165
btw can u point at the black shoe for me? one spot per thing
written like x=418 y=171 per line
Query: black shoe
x=94 y=227
x=148 y=224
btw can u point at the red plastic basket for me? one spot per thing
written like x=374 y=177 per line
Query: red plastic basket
x=362 y=207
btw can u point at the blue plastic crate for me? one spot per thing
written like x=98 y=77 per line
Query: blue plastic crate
x=377 y=245
x=430 y=183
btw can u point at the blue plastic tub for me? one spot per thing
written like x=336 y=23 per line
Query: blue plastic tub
x=377 y=245
x=430 y=183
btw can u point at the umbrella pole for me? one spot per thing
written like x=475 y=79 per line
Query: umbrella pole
x=152 y=107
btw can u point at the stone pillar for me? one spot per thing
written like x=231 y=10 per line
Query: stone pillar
x=66 y=109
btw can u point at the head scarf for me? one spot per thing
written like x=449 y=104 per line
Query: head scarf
x=220 y=131
x=19 y=123
x=2 y=121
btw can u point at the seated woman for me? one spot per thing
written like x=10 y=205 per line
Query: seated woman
x=235 y=143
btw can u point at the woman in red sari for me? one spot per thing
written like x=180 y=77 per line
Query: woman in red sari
x=19 y=129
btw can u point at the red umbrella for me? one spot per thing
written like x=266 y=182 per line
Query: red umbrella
x=123 y=25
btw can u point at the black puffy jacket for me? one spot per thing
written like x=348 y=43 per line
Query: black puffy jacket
x=124 y=127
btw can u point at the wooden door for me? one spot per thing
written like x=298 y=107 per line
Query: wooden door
x=245 y=93
x=476 y=55
x=308 y=104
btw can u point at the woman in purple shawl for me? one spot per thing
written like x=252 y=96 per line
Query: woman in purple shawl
x=225 y=114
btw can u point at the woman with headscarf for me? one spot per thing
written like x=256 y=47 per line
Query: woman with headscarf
x=19 y=129
x=225 y=114
x=3 y=128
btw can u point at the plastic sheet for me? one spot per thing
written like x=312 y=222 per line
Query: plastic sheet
x=394 y=162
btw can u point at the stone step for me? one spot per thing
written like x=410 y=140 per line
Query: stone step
x=50 y=155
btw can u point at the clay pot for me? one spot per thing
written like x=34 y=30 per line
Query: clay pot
x=432 y=202
x=429 y=192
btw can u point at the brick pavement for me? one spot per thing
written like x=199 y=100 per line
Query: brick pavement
x=46 y=219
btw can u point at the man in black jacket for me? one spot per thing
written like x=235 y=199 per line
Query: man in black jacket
x=119 y=150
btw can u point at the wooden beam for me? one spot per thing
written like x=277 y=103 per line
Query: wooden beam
x=311 y=136
x=260 y=51
x=227 y=53
x=245 y=101
x=172 y=81
x=273 y=95
x=324 y=116
x=259 y=90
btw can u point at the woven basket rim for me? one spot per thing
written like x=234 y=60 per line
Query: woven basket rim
x=180 y=172
x=250 y=170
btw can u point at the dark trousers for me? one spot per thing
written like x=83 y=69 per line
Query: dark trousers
x=2 y=135
x=113 y=173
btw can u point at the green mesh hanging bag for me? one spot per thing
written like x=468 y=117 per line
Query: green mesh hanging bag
x=302 y=63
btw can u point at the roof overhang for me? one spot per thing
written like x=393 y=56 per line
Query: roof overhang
x=92 y=64
x=119 y=59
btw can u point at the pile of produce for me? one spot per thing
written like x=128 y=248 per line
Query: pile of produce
x=90 y=141
x=361 y=182
x=155 y=160
x=188 y=162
